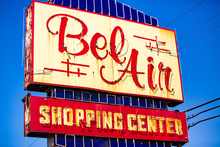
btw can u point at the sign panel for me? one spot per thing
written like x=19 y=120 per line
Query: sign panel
x=78 y=49
x=58 y=116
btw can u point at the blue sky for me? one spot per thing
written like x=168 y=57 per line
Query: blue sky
x=200 y=82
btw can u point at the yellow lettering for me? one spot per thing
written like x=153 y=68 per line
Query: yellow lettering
x=130 y=118
x=118 y=121
x=56 y=115
x=151 y=123
x=107 y=120
x=141 y=123
x=170 y=125
x=90 y=116
x=44 y=112
x=79 y=116
x=178 y=126
x=160 y=120
x=68 y=113
x=98 y=119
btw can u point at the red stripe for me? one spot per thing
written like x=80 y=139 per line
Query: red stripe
x=158 y=48
x=149 y=39
x=75 y=64
x=130 y=71
x=59 y=70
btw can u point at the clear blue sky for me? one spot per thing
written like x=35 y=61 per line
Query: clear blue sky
x=200 y=82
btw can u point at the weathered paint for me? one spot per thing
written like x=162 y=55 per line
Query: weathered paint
x=137 y=37
x=58 y=116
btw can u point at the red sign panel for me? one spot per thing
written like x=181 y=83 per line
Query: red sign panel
x=58 y=116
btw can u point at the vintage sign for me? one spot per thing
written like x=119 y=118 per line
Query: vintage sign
x=77 y=49
x=58 y=116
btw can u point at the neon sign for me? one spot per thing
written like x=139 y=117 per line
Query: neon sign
x=93 y=45
x=115 y=55
x=59 y=116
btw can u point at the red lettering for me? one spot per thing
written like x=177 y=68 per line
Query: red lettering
x=114 y=53
x=150 y=74
x=94 y=46
x=133 y=63
x=63 y=23
x=167 y=71
x=61 y=33
x=113 y=46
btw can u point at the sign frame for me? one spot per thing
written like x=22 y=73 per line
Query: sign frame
x=48 y=116
x=30 y=71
